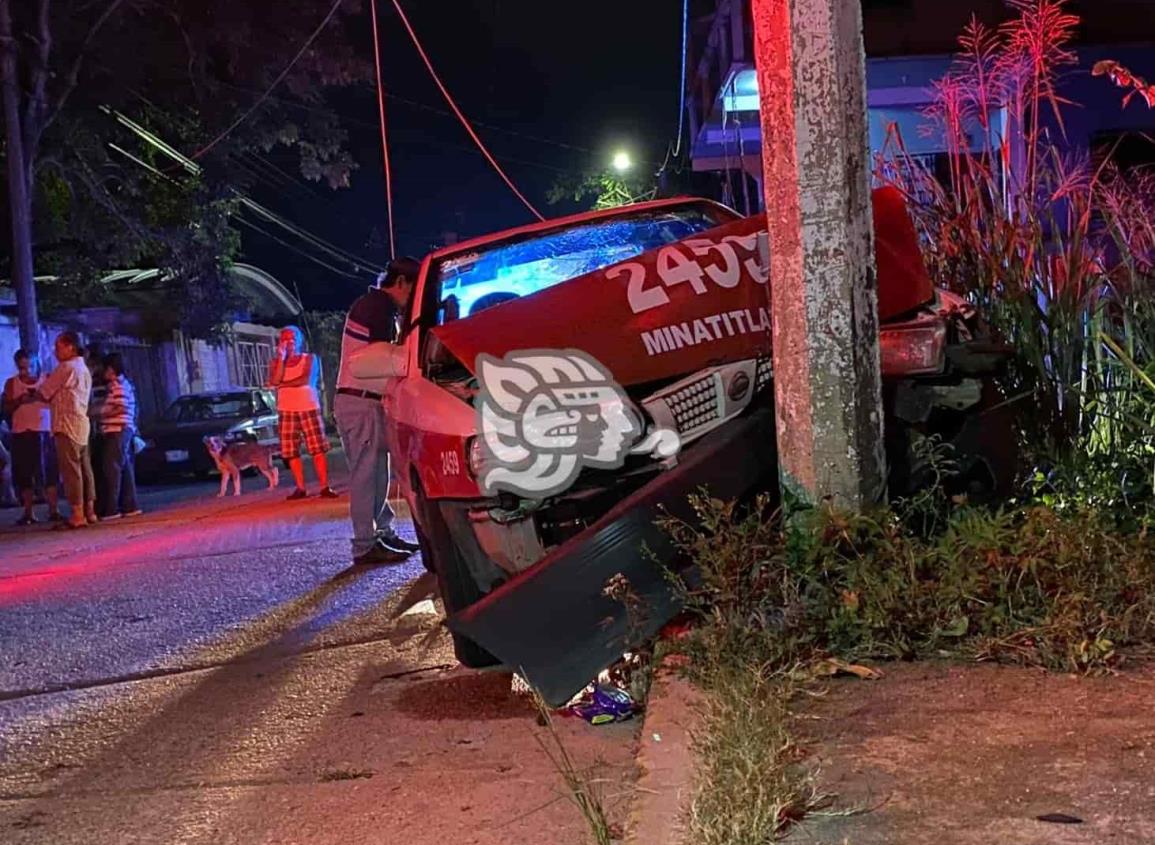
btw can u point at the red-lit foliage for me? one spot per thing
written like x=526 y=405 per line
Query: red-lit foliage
x=1057 y=244
x=1125 y=79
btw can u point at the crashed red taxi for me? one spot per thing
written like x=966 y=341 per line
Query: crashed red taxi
x=671 y=298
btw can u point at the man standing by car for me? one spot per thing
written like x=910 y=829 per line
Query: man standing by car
x=373 y=317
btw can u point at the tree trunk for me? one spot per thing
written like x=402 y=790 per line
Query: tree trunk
x=19 y=188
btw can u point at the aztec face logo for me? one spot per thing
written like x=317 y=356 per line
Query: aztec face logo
x=545 y=415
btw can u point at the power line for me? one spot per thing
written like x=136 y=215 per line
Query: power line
x=355 y=121
x=384 y=136
x=417 y=104
x=682 y=87
x=237 y=218
x=355 y=261
x=464 y=122
x=280 y=77
x=359 y=264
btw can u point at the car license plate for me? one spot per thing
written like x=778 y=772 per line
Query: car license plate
x=176 y=456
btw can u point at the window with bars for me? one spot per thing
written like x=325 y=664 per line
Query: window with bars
x=252 y=359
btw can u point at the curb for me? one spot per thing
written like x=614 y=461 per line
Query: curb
x=666 y=760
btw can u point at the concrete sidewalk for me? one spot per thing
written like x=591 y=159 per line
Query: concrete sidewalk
x=943 y=754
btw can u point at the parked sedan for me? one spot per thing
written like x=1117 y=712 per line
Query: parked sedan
x=174 y=445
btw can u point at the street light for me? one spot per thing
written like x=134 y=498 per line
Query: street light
x=622 y=161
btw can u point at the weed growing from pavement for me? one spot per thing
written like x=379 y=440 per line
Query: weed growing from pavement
x=585 y=791
x=748 y=786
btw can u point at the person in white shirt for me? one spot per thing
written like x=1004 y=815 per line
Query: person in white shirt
x=33 y=458
x=67 y=391
x=295 y=373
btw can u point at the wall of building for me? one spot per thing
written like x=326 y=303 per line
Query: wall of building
x=161 y=370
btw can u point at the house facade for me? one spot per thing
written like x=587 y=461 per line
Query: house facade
x=909 y=45
x=167 y=363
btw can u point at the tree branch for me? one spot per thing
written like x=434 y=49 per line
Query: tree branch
x=34 y=104
x=101 y=196
x=78 y=62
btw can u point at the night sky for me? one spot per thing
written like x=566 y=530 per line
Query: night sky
x=560 y=86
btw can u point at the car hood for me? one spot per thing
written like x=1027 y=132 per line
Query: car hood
x=657 y=315
x=680 y=308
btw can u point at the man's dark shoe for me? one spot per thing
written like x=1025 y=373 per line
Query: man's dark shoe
x=393 y=541
x=328 y=493
x=380 y=555
x=297 y=495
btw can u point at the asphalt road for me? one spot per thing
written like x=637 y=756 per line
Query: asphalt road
x=210 y=672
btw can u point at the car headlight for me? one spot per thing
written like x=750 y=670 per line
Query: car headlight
x=475 y=456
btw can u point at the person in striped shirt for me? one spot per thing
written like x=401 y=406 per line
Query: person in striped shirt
x=117 y=417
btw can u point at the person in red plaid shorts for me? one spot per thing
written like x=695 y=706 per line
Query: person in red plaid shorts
x=294 y=373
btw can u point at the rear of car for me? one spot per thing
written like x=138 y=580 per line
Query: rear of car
x=174 y=444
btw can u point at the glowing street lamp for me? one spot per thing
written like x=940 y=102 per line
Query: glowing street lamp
x=622 y=161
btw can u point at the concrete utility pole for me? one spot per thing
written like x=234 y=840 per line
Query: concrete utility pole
x=816 y=163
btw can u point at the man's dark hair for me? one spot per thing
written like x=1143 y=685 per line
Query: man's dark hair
x=113 y=361
x=21 y=353
x=397 y=268
x=72 y=339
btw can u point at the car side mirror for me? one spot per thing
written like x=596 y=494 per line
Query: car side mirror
x=377 y=363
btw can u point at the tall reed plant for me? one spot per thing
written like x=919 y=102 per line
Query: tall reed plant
x=1054 y=242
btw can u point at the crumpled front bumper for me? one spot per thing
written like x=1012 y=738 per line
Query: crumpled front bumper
x=555 y=623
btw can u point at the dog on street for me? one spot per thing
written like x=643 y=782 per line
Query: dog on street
x=234 y=458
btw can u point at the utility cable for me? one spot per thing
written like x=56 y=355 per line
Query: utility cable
x=384 y=135
x=238 y=219
x=280 y=78
x=415 y=104
x=682 y=87
x=358 y=264
x=425 y=142
x=193 y=168
x=461 y=117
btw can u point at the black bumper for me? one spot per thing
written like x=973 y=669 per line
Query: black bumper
x=553 y=621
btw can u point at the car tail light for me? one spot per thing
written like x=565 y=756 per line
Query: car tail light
x=915 y=348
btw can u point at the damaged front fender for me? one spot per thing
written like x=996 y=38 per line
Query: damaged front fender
x=556 y=623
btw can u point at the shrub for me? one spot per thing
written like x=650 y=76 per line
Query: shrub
x=1066 y=592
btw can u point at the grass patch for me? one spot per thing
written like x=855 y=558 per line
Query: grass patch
x=581 y=787
x=749 y=786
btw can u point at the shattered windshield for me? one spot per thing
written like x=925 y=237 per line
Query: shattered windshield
x=474 y=281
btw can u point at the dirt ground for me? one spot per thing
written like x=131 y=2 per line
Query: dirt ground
x=950 y=754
